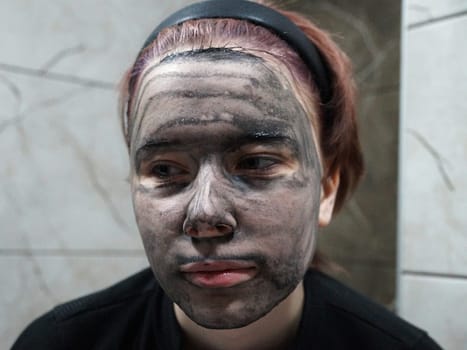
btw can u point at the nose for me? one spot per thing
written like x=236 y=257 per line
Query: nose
x=209 y=212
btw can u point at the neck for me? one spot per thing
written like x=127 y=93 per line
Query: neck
x=275 y=330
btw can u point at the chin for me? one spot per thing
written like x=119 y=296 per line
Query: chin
x=225 y=320
x=220 y=312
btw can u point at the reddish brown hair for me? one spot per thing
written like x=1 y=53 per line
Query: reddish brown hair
x=335 y=122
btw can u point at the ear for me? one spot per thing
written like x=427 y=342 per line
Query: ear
x=329 y=187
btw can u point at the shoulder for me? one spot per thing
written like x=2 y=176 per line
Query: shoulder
x=97 y=313
x=40 y=334
x=351 y=318
x=128 y=291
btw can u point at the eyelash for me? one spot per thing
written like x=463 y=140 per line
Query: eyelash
x=169 y=174
x=154 y=171
x=250 y=164
x=168 y=178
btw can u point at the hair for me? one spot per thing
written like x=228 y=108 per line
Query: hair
x=333 y=122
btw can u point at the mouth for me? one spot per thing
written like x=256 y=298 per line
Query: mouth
x=219 y=273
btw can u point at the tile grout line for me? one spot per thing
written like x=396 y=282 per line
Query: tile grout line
x=420 y=24
x=433 y=274
x=72 y=79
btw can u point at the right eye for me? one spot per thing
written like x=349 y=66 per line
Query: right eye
x=168 y=171
x=168 y=174
x=165 y=171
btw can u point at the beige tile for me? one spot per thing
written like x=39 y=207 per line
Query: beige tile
x=89 y=39
x=433 y=184
x=425 y=10
x=32 y=285
x=437 y=305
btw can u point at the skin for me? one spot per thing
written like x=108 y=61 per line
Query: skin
x=223 y=167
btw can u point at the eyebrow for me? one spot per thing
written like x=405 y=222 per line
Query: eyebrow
x=155 y=145
x=263 y=137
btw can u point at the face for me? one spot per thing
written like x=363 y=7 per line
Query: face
x=225 y=185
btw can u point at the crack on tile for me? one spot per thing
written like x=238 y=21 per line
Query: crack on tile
x=43 y=286
x=10 y=192
x=356 y=23
x=21 y=116
x=12 y=200
x=439 y=159
x=37 y=271
x=55 y=100
x=357 y=212
x=14 y=90
x=17 y=121
x=90 y=169
x=376 y=61
x=377 y=54
x=65 y=78
x=61 y=55
x=421 y=9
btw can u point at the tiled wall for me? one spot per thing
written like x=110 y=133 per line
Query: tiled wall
x=66 y=222
x=433 y=166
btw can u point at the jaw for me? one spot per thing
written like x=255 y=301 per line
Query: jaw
x=276 y=329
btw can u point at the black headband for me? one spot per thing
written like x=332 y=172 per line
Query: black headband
x=260 y=15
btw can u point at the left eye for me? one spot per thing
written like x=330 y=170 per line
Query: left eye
x=256 y=163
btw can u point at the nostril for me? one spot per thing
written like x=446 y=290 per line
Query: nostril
x=191 y=231
x=224 y=229
x=203 y=229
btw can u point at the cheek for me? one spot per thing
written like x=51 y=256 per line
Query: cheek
x=159 y=221
x=286 y=218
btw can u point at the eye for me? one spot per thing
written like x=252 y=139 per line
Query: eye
x=166 y=171
x=257 y=163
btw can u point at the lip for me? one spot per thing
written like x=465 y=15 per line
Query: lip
x=219 y=273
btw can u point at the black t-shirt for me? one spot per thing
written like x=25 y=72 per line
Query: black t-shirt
x=137 y=314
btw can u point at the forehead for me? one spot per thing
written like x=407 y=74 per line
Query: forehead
x=232 y=90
